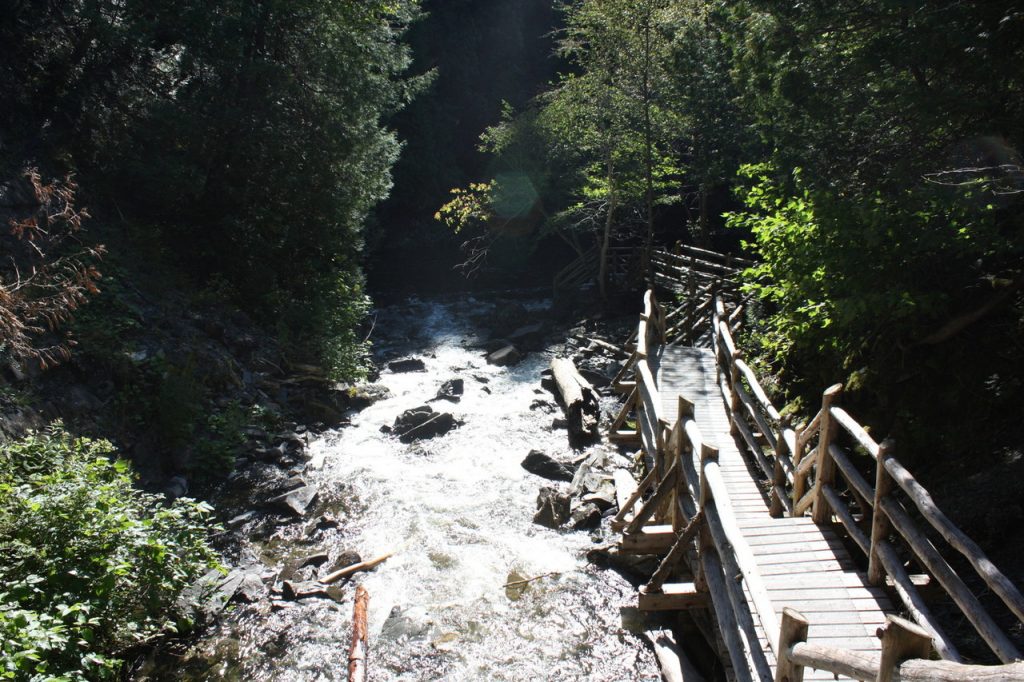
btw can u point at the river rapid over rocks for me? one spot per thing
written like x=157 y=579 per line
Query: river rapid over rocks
x=475 y=590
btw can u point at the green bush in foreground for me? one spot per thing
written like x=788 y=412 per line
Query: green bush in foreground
x=90 y=565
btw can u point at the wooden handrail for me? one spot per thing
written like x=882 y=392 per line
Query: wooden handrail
x=903 y=657
x=785 y=459
x=993 y=577
x=839 y=492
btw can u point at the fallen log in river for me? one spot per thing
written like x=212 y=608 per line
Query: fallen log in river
x=579 y=399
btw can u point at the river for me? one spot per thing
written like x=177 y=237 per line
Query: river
x=457 y=513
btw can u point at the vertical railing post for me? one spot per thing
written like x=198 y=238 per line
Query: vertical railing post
x=799 y=482
x=826 y=467
x=735 y=404
x=880 y=524
x=691 y=309
x=792 y=630
x=706 y=543
x=901 y=641
x=778 y=472
x=685 y=411
x=708 y=454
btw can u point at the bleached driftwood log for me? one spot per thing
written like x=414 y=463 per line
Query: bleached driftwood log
x=578 y=397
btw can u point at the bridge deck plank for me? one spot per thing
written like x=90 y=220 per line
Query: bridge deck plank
x=802 y=565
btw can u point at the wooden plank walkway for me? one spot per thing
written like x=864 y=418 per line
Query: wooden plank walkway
x=803 y=566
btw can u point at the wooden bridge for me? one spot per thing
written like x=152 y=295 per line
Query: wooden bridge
x=817 y=551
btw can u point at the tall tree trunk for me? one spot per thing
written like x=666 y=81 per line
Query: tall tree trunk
x=648 y=147
x=705 y=236
x=602 y=274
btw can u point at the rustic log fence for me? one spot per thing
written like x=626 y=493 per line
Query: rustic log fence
x=807 y=469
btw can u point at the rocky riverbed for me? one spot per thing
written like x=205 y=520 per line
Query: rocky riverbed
x=459 y=468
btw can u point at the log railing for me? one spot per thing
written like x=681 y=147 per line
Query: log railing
x=686 y=487
x=811 y=469
x=624 y=268
x=767 y=436
x=904 y=656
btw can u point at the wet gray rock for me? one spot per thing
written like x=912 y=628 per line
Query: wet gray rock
x=210 y=594
x=603 y=497
x=422 y=422
x=545 y=466
x=364 y=395
x=297 y=591
x=413 y=622
x=544 y=405
x=585 y=517
x=547 y=382
x=317 y=560
x=251 y=589
x=345 y=559
x=638 y=565
x=451 y=390
x=176 y=487
x=505 y=356
x=296 y=502
x=290 y=439
x=271 y=455
x=596 y=379
x=326 y=522
x=552 y=508
x=291 y=483
x=407 y=365
x=589 y=478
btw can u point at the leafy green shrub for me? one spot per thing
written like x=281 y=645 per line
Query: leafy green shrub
x=92 y=566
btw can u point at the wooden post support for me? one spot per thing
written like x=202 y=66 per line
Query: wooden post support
x=792 y=631
x=826 y=469
x=901 y=641
x=705 y=542
x=691 y=311
x=778 y=473
x=881 y=526
x=707 y=454
x=736 y=405
x=685 y=412
x=797 y=456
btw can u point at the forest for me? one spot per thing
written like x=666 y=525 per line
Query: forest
x=196 y=195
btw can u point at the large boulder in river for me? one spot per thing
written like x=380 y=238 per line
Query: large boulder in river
x=546 y=466
x=552 y=508
x=422 y=422
x=407 y=365
x=451 y=390
x=295 y=502
x=364 y=395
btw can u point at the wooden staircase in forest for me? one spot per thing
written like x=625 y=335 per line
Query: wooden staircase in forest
x=819 y=554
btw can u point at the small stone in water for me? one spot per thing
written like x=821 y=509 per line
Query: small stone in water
x=515 y=586
x=317 y=559
x=446 y=642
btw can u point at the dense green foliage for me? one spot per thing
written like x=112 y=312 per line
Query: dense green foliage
x=246 y=140
x=873 y=154
x=92 y=566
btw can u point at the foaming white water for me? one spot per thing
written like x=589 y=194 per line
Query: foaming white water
x=457 y=513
